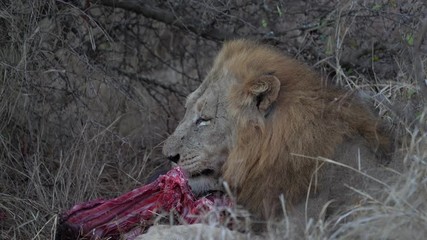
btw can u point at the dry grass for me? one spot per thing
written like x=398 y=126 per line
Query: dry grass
x=74 y=128
x=61 y=122
x=399 y=210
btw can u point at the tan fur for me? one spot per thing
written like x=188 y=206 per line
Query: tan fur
x=310 y=119
x=277 y=109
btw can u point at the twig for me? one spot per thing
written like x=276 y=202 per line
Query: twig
x=182 y=22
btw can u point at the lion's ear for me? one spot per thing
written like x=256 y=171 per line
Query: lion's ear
x=265 y=91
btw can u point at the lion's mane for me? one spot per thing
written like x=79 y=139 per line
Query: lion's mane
x=285 y=115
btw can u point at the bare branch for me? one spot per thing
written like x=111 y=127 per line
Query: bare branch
x=182 y=22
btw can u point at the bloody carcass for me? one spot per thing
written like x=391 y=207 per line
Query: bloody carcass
x=128 y=214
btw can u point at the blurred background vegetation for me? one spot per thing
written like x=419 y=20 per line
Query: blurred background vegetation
x=89 y=89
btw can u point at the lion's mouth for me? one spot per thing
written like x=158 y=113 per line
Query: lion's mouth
x=206 y=172
x=204 y=183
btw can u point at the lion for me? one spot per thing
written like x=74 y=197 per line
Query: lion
x=269 y=126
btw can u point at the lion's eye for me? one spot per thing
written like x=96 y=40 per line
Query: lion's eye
x=202 y=121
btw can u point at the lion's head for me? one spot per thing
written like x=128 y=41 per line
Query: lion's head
x=202 y=141
x=254 y=116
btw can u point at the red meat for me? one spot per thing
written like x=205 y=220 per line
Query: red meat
x=128 y=214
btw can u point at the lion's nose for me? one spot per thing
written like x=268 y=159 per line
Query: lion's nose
x=174 y=159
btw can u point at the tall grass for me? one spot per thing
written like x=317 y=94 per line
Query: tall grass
x=60 y=116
